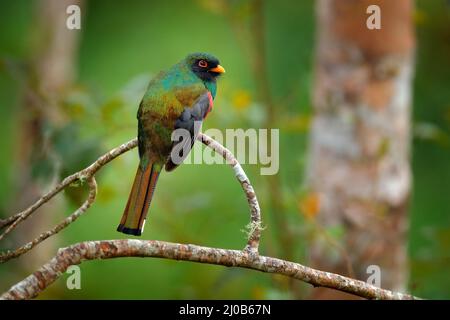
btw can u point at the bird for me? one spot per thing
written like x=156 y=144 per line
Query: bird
x=177 y=98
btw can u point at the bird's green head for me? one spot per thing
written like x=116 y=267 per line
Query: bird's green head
x=205 y=66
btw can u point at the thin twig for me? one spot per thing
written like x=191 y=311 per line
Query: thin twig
x=86 y=174
x=90 y=250
x=255 y=226
x=82 y=175
x=74 y=216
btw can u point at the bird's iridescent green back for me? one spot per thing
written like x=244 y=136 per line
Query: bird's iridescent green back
x=165 y=99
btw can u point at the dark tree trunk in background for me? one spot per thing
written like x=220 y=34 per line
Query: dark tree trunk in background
x=359 y=148
x=50 y=73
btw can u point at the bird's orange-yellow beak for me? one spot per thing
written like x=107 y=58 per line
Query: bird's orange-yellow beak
x=218 y=69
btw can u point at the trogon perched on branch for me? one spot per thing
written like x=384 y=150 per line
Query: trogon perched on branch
x=175 y=99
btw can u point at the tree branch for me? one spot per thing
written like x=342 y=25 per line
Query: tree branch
x=248 y=258
x=86 y=174
x=82 y=175
x=91 y=250
x=74 y=216
x=254 y=228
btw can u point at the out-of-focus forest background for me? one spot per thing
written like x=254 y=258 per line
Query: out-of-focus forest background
x=51 y=128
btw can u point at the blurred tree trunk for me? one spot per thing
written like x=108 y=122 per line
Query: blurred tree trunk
x=50 y=72
x=359 y=148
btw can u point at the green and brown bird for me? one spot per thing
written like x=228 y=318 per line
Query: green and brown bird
x=178 y=98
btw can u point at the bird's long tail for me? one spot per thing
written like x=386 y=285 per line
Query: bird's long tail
x=133 y=218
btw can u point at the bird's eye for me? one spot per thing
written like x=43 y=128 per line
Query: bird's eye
x=202 y=64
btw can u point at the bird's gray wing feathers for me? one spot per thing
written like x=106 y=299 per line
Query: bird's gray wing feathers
x=189 y=123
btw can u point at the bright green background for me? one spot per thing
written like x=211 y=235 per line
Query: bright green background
x=122 y=45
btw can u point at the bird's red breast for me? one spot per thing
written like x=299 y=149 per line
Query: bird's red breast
x=211 y=102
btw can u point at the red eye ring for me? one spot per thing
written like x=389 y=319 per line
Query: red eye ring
x=202 y=64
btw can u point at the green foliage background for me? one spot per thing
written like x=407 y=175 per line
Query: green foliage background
x=122 y=45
